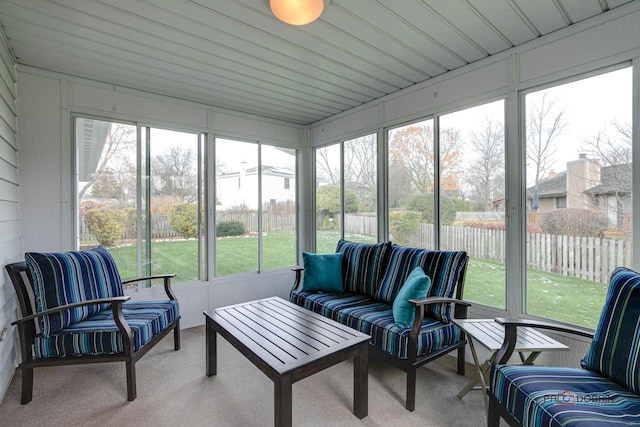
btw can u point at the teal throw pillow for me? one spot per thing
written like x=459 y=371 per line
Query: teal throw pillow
x=322 y=272
x=415 y=287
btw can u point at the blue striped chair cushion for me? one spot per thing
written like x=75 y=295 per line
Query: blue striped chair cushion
x=376 y=319
x=552 y=396
x=70 y=277
x=402 y=261
x=362 y=265
x=100 y=334
x=615 y=349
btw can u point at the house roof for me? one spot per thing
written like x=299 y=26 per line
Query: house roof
x=266 y=170
x=550 y=187
x=235 y=54
x=613 y=179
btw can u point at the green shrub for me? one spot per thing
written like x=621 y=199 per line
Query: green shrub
x=183 y=218
x=423 y=203
x=403 y=225
x=230 y=228
x=107 y=225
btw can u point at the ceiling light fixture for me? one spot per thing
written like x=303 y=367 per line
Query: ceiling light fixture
x=297 y=12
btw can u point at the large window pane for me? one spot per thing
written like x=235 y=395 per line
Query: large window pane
x=278 y=206
x=579 y=191
x=328 y=199
x=360 y=189
x=141 y=199
x=176 y=224
x=237 y=204
x=472 y=184
x=411 y=184
x=106 y=174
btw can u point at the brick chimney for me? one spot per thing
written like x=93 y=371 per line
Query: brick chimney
x=552 y=174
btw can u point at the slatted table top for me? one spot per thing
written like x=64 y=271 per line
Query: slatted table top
x=490 y=334
x=284 y=335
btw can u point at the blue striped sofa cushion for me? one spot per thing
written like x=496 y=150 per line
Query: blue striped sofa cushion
x=551 y=396
x=69 y=277
x=376 y=319
x=444 y=268
x=99 y=334
x=362 y=265
x=402 y=261
x=615 y=349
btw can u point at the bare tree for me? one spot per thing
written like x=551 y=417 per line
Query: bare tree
x=485 y=174
x=120 y=138
x=177 y=171
x=327 y=165
x=544 y=124
x=360 y=161
x=360 y=169
x=610 y=149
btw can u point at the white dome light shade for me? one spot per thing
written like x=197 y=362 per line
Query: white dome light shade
x=297 y=12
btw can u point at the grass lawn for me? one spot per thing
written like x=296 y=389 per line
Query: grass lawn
x=549 y=295
x=235 y=255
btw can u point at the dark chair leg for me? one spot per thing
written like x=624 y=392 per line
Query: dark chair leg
x=176 y=336
x=411 y=389
x=493 y=419
x=461 y=360
x=27 y=385
x=131 y=380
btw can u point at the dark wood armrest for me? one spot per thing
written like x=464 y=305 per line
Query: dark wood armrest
x=297 y=280
x=460 y=306
x=438 y=300
x=511 y=334
x=460 y=312
x=167 y=283
x=114 y=300
x=118 y=317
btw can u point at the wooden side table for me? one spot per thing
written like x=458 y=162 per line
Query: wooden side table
x=490 y=334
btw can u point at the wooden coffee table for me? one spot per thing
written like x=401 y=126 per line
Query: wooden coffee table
x=289 y=343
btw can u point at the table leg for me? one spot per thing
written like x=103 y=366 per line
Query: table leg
x=475 y=379
x=211 y=356
x=530 y=359
x=361 y=382
x=282 y=400
x=481 y=368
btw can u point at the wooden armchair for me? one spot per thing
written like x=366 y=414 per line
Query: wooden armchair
x=605 y=391
x=74 y=311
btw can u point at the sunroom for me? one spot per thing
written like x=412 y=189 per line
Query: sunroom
x=211 y=140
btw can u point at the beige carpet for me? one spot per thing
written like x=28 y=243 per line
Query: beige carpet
x=173 y=390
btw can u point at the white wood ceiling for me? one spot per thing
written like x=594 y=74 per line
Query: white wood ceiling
x=235 y=54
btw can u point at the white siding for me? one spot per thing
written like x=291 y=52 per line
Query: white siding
x=9 y=212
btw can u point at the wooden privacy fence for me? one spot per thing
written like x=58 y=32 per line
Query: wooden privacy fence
x=161 y=228
x=589 y=258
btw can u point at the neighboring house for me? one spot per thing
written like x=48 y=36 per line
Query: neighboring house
x=586 y=185
x=241 y=188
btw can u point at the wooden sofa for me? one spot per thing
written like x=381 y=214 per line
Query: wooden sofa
x=373 y=275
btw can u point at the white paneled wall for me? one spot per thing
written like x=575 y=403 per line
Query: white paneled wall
x=9 y=212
